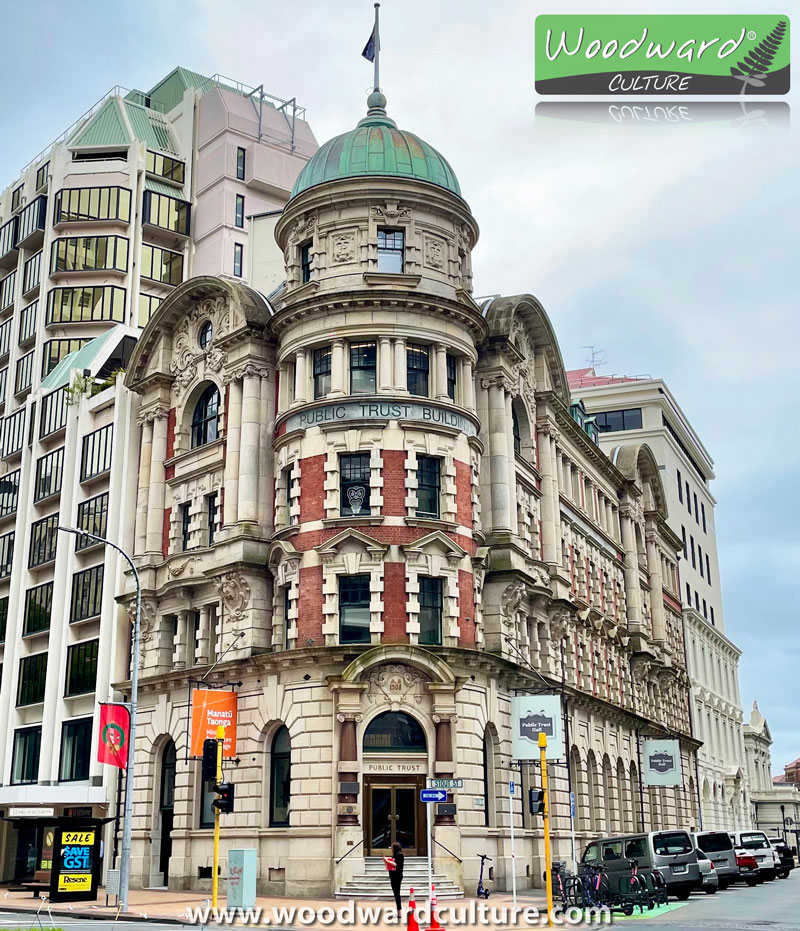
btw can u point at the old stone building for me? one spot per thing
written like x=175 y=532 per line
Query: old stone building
x=370 y=501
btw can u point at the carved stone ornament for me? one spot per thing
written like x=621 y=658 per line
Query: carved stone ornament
x=177 y=567
x=151 y=414
x=434 y=252
x=234 y=591
x=147 y=621
x=390 y=212
x=512 y=598
x=215 y=359
x=344 y=247
x=303 y=226
x=540 y=577
x=395 y=684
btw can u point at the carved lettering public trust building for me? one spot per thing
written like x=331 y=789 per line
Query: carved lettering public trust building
x=370 y=500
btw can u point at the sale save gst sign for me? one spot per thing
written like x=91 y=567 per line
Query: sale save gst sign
x=75 y=861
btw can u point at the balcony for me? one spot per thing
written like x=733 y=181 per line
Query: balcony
x=167 y=220
x=8 y=243
x=30 y=232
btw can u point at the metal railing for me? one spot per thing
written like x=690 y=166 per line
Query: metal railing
x=350 y=851
x=439 y=844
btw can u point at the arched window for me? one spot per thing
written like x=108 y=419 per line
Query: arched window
x=205 y=422
x=205 y=334
x=488 y=776
x=517 y=433
x=394 y=732
x=280 y=779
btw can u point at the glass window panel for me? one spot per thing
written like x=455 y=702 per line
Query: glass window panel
x=81 y=668
x=430 y=610
x=362 y=368
x=49 y=472
x=96 y=452
x=87 y=594
x=205 y=421
x=44 y=540
x=391 y=244
x=428 y=486
x=9 y=493
x=76 y=743
x=280 y=779
x=32 y=676
x=354 y=601
x=6 y=554
x=354 y=475
x=418 y=361
x=25 y=762
x=93 y=518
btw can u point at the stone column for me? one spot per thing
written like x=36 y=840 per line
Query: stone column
x=467 y=385
x=266 y=461
x=498 y=455
x=337 y=368
x=659 y=631
x=233 y=423
x=632 y=591
x=445 y=765
x=512 y=463
x=202 y=654
x=145 y=454
x=441 y=374
x=611 y=530
x=400 y=366
x=348 y=754
x=157 y=490
x=385 y=364
x=300 y=377
x=250 y=435
x=182 y=640
x=283 y=386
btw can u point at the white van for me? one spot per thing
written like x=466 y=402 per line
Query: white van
x=757 y=843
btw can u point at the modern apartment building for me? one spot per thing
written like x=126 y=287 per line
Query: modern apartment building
x=144 y=190
x=643 y=409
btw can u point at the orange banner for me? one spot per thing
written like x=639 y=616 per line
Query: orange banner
x=212 y=708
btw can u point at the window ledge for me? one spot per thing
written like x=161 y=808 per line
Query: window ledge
x=35 y=633
x=353 y=519
x=397 y=279
x=432 y=522
x=304 y=290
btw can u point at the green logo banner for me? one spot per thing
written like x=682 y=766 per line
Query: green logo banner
x=662 y=55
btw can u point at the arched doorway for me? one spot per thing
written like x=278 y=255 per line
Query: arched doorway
x=166 y=807
x=395 y=749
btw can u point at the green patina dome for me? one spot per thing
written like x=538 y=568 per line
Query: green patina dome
x=377 y=147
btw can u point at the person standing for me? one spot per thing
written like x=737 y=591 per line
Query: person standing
x=396 y=875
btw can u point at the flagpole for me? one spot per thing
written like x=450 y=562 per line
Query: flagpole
x=377 y=49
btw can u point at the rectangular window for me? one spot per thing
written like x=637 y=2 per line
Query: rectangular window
x=354 y=485
x=238 y=259
x=680 y=487
x=161 y=265
x=14 y=432
x=3 y=618
x=92 y=204
x=32 y=677
x=6 y=554
x=696 y=510
x=306 y=263
x=9 y=493
x=688 y=498
x=76 y=747
x=44 y=538
x=451 y=376
x=165 y=167
x=81 y=668
x=354 y=609
x=167 y=213
x=84 y=305
x=54 y=350
x=90 y=254
x=25 y=762
x=683 y=536
x=93 y=518
x=322 y=371
x=16 y=198
x=186 y=518
x=700 y=560
x=611 y=421
x=38 y=609
x=287 y=604
x=240 y=163
x=708 y=570
x=33 y=219
x=705 y=609
x=54 y=412
x=41 y=176
x=430 y=611
x=428 y=486
x=96 y=452
x=391 y=246
x=8 y=236
x=713 y=622
x=27 y=323
x=417 y=366
x=3 y=383
x=87 y=594
x=691 y=546
x=148 y=305
x=211 y=511
x=5 y=337
x=703 y=516
x=7 y=288
x=49 y=472
x=23 y=375
x=32 y=273
x=363 y=357
x=688 y=595
x=238 y=218
x=696 y=601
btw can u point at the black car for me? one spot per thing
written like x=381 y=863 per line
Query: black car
x=787 y=858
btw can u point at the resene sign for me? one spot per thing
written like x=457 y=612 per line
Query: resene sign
x=662 y=55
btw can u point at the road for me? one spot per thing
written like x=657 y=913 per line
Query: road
x=774 y=906
x=42 y=922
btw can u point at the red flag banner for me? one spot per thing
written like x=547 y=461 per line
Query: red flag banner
x=115 y=729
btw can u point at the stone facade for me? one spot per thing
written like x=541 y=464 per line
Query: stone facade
x=486 y=545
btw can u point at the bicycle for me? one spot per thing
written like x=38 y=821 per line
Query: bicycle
x=563 y=882
x=634 y=890
x=592 y=889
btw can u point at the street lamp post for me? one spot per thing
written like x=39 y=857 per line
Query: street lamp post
x=127 y=816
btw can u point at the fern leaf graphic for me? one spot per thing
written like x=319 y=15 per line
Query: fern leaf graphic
x=757 y=62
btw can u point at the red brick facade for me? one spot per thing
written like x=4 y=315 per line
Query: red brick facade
x=312 y=488
x=309 y=607
x=394 y=482
x=463 y=494
x=165 y=532
x=466 y=608
x=311 y=539
x=394 y=603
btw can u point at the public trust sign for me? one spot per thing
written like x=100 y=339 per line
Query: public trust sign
x=426 y=412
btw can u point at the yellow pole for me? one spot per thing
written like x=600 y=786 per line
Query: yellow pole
x=215 y=873
x=546 y=819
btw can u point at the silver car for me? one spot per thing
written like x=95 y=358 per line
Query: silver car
x=707 y=873
x=718 y=847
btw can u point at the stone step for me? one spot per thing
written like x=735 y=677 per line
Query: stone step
x=419 y=895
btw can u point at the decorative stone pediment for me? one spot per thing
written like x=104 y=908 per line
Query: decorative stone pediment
x=395 y=685
x=339 y=543
x=437 y=541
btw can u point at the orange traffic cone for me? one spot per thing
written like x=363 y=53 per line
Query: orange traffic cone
x=413 y=924
x=434 y=925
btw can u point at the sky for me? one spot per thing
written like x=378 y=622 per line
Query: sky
x=670 y=247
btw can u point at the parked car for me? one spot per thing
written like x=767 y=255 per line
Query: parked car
x=758 y=844
x=670 y=852
x=748 y=867
x=785 y=857
x=718 y=847
x=708 y=873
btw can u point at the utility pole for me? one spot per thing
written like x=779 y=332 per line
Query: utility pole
x=217 y=814
x=546 y=818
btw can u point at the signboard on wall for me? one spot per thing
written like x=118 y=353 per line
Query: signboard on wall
x=661 y=763
x=213 y=708
x=530 y=716
x=425 y=412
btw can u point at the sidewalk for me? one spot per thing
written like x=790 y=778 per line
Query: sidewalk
x=163 y=906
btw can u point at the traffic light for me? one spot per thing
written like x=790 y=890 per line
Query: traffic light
x=224 y=801
x=536 y=801
x=210 y=760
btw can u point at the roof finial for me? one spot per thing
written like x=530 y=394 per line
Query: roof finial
x=376 y=102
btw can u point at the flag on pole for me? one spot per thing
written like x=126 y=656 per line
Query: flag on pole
x=115 y=729
x=373 y=45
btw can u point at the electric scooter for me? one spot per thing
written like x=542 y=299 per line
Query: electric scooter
x=483 y=892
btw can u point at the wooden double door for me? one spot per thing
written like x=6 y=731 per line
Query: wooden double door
x=394 y=813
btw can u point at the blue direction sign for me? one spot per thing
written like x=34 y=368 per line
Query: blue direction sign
x=432 y=795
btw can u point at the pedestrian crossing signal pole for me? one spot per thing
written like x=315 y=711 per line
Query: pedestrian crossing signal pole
x=546 y=819
x=215 y=874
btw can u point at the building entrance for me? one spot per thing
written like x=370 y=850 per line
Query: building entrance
x=393 y=814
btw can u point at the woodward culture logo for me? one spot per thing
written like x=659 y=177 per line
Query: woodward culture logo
x=664 y=55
